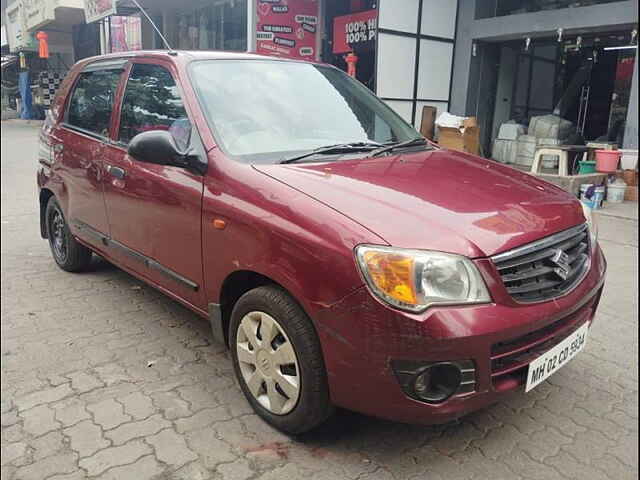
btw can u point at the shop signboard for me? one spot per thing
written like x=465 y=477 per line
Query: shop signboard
x=95 y=10
x=287 y=28
x=355 y=31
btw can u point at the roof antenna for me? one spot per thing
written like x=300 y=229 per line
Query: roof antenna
x=171 y=51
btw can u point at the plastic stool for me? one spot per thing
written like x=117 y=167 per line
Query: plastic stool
x=563 y=160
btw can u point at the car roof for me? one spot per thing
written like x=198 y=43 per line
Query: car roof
x=186 y=56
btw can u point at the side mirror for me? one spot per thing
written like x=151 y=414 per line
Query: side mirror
x=156 y=146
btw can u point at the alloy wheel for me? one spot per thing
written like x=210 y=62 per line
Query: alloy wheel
x=268 y=362
x=58 y=236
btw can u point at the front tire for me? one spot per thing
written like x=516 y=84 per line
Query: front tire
x=278 y=360
x=67 y=252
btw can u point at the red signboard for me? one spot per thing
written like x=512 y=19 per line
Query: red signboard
x=287 y=28
x=352 y=31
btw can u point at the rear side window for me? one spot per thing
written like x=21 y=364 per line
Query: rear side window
x=152 y=102
x=92 y=101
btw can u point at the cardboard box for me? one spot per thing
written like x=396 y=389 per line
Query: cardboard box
x=631 y=194
x=470 y=122
x=428 y=125
x=466 y=139
x=630 y=177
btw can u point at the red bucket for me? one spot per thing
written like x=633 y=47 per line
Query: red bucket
x=607 y=160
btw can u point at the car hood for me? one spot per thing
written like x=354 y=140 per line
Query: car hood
x=439 y=200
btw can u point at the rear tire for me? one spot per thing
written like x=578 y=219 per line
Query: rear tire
x=290 y=389
x=67 y=252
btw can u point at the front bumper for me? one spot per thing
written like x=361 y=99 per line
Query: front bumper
x=361 y=337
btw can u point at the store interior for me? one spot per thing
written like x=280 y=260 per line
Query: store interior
x=583 y=79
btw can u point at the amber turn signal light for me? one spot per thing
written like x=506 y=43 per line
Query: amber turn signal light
x=392 y=274
x=219 y=223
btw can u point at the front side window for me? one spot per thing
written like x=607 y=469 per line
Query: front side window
x=264 y=111
x=152 y=102
x=92 y=100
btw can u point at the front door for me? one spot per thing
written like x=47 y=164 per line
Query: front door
x=155 y=210
x=78 y=145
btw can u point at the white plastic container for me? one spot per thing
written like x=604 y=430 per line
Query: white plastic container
x=629 y=159
x=504 y=151
x=550 y=126
x=511 y=131
x=615 y=192
x=526 y=148
x=595 y=202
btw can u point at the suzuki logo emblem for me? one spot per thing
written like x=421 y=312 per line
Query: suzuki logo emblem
x=561 y=259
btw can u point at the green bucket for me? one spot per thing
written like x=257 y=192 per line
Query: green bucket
x=587 y=167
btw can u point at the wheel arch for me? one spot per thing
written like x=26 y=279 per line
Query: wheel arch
x=236 y=284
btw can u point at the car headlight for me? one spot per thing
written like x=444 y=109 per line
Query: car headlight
x=591 y=224
x=415 y=279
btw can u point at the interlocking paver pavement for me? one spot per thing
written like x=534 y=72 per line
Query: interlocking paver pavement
x=104 y=377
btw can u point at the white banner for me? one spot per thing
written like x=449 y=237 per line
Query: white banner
x=98 y=9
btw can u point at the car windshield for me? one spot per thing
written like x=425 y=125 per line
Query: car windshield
x=267 y=111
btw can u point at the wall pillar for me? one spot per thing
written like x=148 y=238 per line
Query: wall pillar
x=631 y=128
x=251 y=25
x=147 y=34
x=465 y=65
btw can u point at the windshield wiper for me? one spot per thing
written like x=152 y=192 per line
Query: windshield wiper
x=409 y=143
x=338 y=148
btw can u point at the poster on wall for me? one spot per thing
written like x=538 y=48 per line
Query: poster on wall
x=355 y=32
x=126 y=33
x=287 y=28
x=95 y=10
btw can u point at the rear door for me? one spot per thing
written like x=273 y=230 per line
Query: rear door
x=155 y=210
x=78 y=147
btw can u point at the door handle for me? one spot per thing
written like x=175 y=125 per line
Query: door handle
x=116 y=172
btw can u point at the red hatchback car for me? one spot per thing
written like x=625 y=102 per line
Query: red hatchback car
x=343 y=259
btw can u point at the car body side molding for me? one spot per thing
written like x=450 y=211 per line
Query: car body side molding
x=148 y=262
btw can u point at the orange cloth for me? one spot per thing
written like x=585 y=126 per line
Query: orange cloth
x=43 y=51
x=352 y=60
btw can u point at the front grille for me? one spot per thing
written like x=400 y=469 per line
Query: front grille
x=546 y=269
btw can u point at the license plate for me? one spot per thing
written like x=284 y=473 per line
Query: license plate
x=552 y=360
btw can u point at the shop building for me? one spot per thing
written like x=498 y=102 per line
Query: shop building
x=403 y=49
x=27 y=24
x=496 y=60
x=56 y=18
x=520 y=59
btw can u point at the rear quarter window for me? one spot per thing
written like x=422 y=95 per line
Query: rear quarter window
x=58 y=103
x=92 y=100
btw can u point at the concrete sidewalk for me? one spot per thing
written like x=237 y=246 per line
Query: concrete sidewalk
x=618 y=223
x=624 y=210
